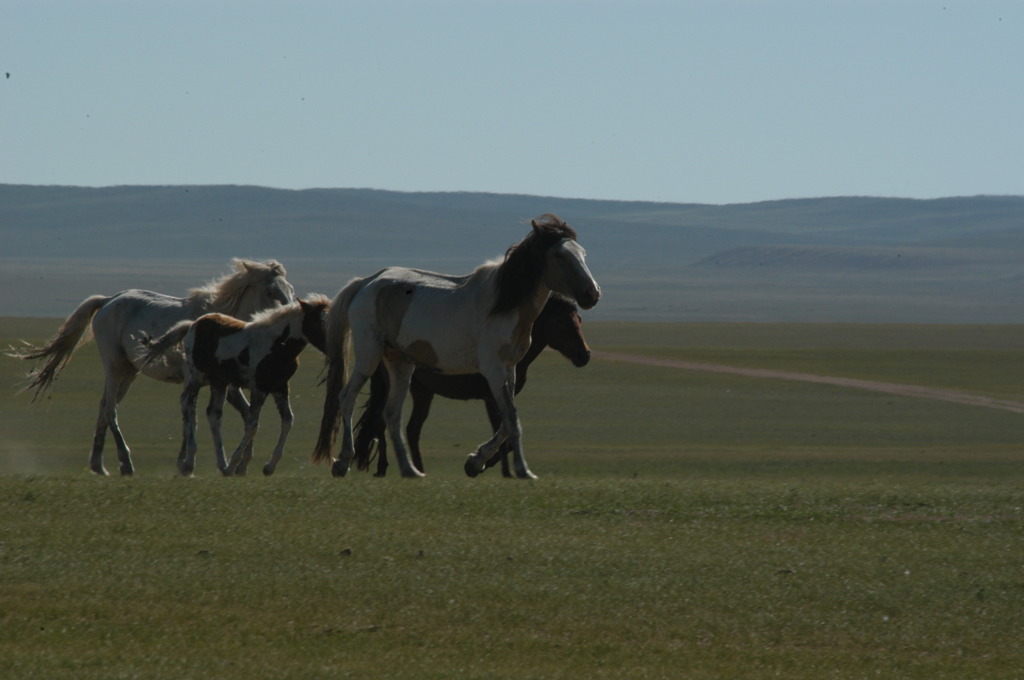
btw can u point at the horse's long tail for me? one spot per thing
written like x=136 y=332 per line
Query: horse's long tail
x=58 y=350
x=338 y=339
x=369 y=430
x=155 y=347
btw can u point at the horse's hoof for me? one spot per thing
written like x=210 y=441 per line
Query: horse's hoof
x=186 y=470
x=100 y=471
x=471 y=468
x=267 y=470
x=339 y=469
x=525 y=474
x=127 y=471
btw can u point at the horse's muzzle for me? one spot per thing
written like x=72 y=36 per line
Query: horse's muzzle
x=589 y=298
x=581 y=359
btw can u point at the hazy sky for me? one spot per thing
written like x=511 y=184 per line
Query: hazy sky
x=708 y=101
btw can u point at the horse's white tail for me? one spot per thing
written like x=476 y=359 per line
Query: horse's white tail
x=58 y=350
x=155 y=347
x=338 y=340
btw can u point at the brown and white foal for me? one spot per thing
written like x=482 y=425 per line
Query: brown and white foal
x=261 y=356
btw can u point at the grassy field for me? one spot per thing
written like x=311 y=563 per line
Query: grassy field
x=684 y=525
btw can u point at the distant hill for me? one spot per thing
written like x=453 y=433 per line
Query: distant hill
x=823 y=259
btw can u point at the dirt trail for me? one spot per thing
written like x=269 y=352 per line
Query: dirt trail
x=870 y=385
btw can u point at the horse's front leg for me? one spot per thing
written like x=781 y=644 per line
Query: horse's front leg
x=502 y=386
x=284 y=408
x=494 y=417
x=214 y=414
x=187 y=457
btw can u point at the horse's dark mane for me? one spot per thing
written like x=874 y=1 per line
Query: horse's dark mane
x=557 y=300
x=519 y=274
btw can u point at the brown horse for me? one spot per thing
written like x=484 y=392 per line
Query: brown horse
x=558 y=325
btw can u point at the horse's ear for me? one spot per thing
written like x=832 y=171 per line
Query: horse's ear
x=304 y=305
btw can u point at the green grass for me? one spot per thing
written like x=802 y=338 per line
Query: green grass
x=684 y=525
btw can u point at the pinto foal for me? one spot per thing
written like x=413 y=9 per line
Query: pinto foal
x=261 y=355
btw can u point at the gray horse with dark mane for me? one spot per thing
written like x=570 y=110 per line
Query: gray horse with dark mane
x=477 y=323
x=557 y=326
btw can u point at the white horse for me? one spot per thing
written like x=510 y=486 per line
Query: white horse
x=261 y=355
x=118 y=320
x=478 y=323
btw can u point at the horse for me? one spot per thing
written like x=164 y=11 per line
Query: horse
x=261 y=356
x=118 y=320
x=557 y=326
x=475 y=323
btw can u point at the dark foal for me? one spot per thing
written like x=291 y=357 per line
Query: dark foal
x=557 y=326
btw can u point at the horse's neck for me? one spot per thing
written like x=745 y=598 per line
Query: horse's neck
x=528 y=313
x=532 y=306
x=201 y=303
x=536 y=347
x=237 y=306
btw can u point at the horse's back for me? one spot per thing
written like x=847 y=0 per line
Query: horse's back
x=434 y=319
x=205 y=352
x=133 y=314
x=141 y=310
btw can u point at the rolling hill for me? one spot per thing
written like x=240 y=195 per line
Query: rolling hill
x=824 y=259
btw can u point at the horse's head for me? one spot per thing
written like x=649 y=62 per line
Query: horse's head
x=559 y=326
x=314 y=320
x=549 y=256
x=258 y=286
x=274 y=286
x=566 y=270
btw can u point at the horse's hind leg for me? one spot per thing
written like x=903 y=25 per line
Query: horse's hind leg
x=400 y=373
x=422 y=398
x=118 y=376
x=116 y=389
x=284 y=408
x=347 y=404
x=382 y=449
x=214 y=415
x=239 y=463
x=98 y=438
